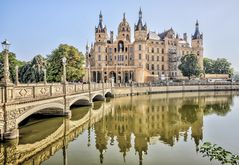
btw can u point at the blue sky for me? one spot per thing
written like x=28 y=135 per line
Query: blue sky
x=38 y=27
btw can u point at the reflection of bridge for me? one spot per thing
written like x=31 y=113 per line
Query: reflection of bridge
x=17 y=102
x=39 y=151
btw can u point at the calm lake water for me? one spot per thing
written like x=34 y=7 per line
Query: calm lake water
x=150 y=129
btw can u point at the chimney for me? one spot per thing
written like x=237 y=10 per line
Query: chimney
x=185 y=36
x=111 y=36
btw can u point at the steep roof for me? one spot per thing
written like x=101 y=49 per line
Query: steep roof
x=153 y=36
x=168 y=33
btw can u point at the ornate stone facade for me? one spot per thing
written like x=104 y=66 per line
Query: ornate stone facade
x=149 y=57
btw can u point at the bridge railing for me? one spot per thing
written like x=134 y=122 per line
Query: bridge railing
x=35 y=91
x=174 y=84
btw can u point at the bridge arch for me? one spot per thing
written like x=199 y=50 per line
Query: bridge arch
x=80 y=101
x=98 y=97
x=39 y=108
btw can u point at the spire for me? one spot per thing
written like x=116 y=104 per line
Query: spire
x=101 y=17
x=124 y=19
x=100 y=28
x=197 y=24
x=140 y=13
x=87 y=48
x=197 y=34
x=140 y=22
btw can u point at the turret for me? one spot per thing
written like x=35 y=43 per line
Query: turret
x=197 y=44
x=140 y=30
x=197 y=34
x=101 y=30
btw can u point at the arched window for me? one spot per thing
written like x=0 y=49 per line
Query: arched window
x=127 y=37
x=121 y=46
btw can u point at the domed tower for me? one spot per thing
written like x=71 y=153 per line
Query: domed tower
x=101 y=31
x=197 y=44
x=124 y=30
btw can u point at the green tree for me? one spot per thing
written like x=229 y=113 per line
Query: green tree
x=236 y=76
x=218 y=66
x=13 y=62
x=189 y=66
x=32 y=71
x=208 y=65
x=74 y=66
x=222 y=66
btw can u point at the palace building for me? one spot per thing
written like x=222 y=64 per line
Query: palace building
x=149 y=57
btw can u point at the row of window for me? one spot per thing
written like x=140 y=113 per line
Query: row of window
x=153 y=68
x=119 y=58
x=157 y=59
x=187 y=52
x=120 y=48
x=122 y=58
x=154 y=50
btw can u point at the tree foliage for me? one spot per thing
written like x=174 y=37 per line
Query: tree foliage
x=189 y=66
x=33 y=71
x=74 y=66
x=236 y=76
x=218 y=66
x=13 y=62
x=218 y=153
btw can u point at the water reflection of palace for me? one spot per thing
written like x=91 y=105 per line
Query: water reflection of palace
x=131 y=122
x=148 y=119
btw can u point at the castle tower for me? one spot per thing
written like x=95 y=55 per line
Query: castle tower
x=140 y=36
x=140 y=30
x=197 y=44
x=100 y=46
x=101 y=31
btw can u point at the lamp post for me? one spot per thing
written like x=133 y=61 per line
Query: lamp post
x=44 y=71
x=6 y=79
x=17 y=79
x=64 y=69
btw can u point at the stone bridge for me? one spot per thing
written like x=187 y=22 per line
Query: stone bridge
x=40 y=150
x=17 y=102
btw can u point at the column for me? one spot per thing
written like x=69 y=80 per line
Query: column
x=6 y=74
